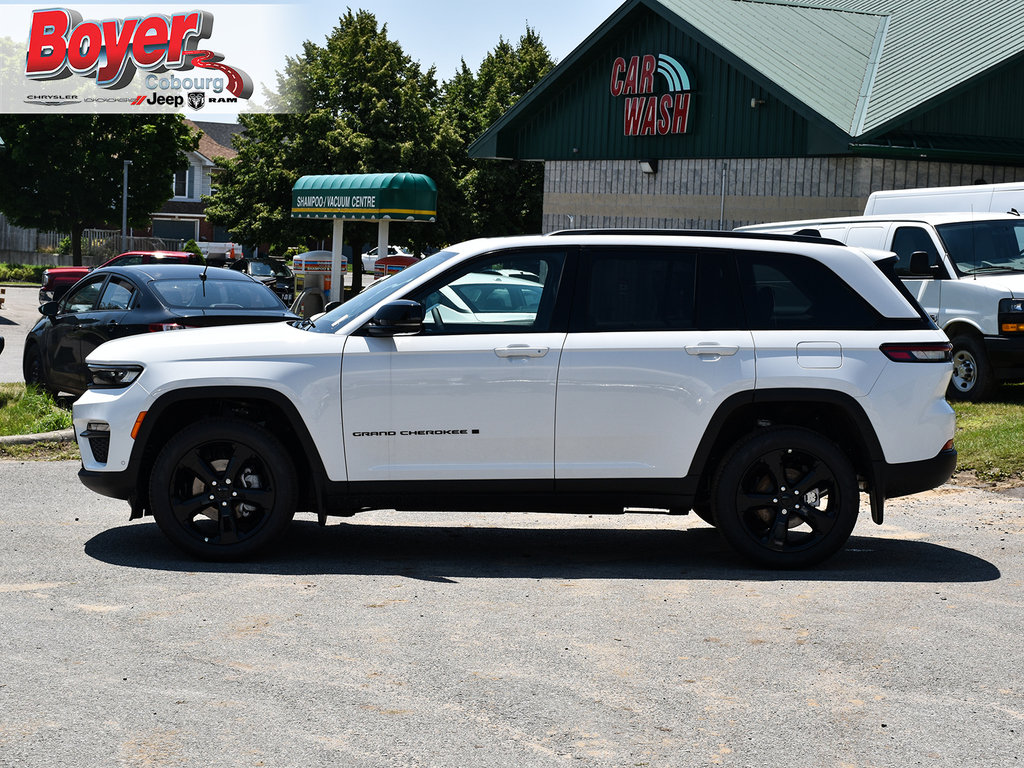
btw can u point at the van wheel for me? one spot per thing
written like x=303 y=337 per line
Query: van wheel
x=786 y=497
x=972 y=378
x=223 y=489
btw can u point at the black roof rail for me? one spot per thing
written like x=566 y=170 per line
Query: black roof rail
x=804 y=236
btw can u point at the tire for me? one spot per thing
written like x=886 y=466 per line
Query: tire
x=223 y=489
x=786 y=497
x=35 y=372
x=972 y=378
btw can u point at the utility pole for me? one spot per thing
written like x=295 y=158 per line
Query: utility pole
x=124 y=208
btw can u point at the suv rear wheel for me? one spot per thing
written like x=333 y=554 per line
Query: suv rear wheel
x=223 y=489
x=786 y=497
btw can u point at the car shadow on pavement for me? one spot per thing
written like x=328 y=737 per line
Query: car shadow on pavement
x=446 y=554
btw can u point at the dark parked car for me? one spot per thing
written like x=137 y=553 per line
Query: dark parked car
x=58 y=280
x=272 y=273
x=122 y=301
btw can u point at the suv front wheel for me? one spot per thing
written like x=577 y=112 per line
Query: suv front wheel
x=786 y=497
x=223 y=489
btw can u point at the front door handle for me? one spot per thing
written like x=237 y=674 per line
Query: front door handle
x=711 y=349
x=521 y=350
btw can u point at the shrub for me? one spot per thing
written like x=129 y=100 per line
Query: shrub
x=22 y=273
x=193 y=247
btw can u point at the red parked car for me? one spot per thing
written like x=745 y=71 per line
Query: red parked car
x=57 y=280
x=388 y=265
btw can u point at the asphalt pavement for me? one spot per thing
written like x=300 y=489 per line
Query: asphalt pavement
x=492 y=641
x=20 y=312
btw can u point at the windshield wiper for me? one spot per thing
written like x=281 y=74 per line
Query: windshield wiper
x=991 y=268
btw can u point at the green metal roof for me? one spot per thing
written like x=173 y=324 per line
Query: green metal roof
x=821 y=58
x=862 y=67
x=362 y=196
x=930 y=48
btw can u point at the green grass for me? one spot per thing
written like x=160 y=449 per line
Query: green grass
x=62 y=451
x=29 y=411
x=990 y=436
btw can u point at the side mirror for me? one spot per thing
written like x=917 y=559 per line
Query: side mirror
x=397 y=318
x=919 y=266
x=49 y=309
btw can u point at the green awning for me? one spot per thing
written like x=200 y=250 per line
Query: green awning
x=366 y=196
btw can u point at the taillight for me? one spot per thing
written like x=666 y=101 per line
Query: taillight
x=926 y=352
x=166 y=327
x=46 y=279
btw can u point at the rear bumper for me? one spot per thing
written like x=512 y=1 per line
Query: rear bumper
x=917 y=476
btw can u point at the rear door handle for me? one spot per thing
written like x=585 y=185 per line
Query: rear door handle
x=711 y=350
x=521 y=350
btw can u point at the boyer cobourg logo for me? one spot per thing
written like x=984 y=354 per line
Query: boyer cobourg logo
x=113 y=51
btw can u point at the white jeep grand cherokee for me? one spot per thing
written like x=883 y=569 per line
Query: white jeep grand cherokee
x=762 y=381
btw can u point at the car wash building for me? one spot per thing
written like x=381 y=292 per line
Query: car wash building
x=719 y=113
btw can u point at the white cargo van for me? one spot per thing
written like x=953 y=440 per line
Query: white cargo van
x=975 y=198
x=966 y=270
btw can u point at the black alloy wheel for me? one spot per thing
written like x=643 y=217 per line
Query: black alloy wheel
x=223 y=489
x=786 y=497
x=34 y=372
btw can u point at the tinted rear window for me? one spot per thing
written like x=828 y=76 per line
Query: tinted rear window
x=193 y=293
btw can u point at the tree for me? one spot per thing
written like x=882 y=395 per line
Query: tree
x=65 y=172
x=502 y=197
x=356 y=104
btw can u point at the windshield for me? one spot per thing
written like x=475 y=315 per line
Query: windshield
x=267 y=269
x=373 y=294
x=977 y=247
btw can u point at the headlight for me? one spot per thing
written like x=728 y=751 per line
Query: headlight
x=114 y=376
x=1011 y=316
x=1011 y=305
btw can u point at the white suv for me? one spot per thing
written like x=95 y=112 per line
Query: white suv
x=761 y=381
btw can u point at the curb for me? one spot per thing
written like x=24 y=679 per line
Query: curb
x=60 y=436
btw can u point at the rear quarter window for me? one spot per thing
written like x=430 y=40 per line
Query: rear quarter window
x=794 y=292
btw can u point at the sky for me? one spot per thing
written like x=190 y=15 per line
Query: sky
x=258 y=37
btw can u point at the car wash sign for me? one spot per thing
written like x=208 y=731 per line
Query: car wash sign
x=655 y=94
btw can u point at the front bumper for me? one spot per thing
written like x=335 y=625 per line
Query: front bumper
x=1006 y=354
x=116 y=485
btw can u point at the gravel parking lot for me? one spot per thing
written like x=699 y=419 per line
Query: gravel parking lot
x=505 y=640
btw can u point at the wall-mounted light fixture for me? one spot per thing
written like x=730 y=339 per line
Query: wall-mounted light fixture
x=756 y=102
x=649 y=166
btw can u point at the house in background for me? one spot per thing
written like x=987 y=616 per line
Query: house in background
x=183 y=216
